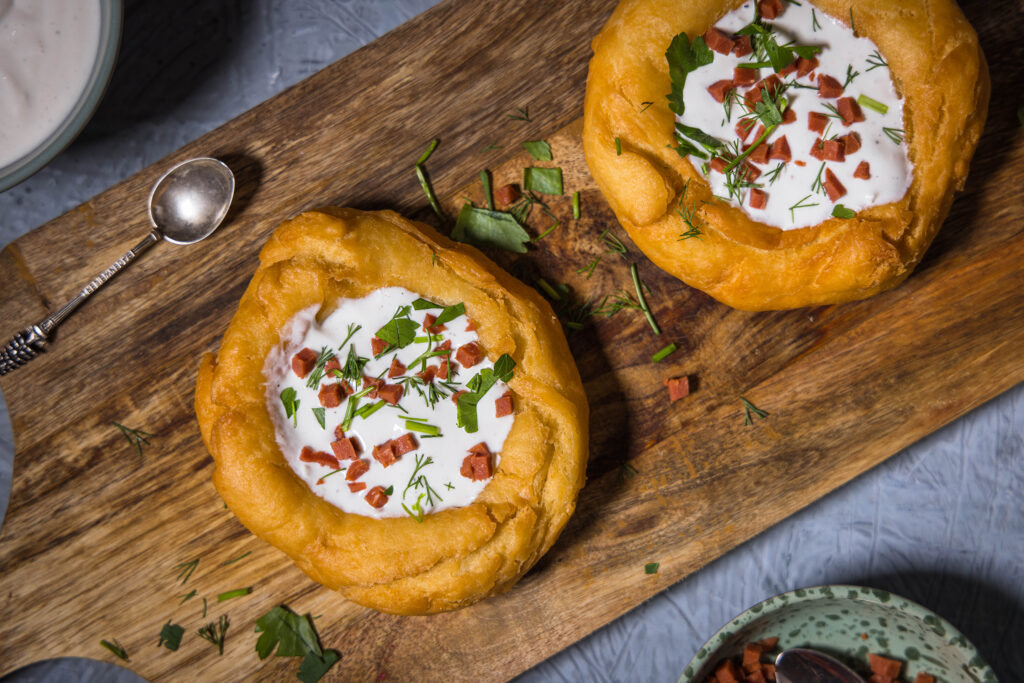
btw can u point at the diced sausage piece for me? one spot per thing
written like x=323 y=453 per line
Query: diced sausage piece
x=470 y=327
x=506 y=194
x=455 y=396
x=758 y=198
x=741 y=76
x=760 y=154
x=406 y=443
x=752 y=658
x=376 y=497
x=356 y=486
x=771 y=85
x=788 y=69
x=719 y=89
x=829 y=87
x=818 y=149
x=391 y=393
x=385 y=453
x=344 y=449
x=788 y=116
x=503 y=405
x=833 y=187
x=303 y=362
x=447 y=345
x=742 y=46
x=770 y=9
x=719 y=164
x=332 y=365
x=817 y=122
x=331 y=395
x=469 y=354
x=863 y=171
x=750 y=173
x=849 y=110
x=768 y=671
x=476 y=466
x=851 y=142
x=375 y=383
x=800 y=163
x=396 y=369
x=443 y=370
x=678 y=387
x=428 y=374
x=884 y=665
x=759 y=133
x=378 y=345
x=718 y=41
x=339 y=433
x=924 y=678
x=833 y=151
x=356 y=469
x=743 y=128
x=480 y=448
x=319 y=457
x=728 y=672
x=805 y=66
x=780 y=150
x=429 y=326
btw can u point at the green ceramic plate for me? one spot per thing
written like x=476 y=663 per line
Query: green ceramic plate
x=848 y=622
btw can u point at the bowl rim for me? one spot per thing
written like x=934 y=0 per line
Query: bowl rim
x=111 y=24
x=827 y=591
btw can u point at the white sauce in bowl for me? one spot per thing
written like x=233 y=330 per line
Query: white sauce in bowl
x=794 y=199
x=446 y=452
x=47 y=52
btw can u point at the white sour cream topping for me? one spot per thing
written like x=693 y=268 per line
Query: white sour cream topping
x=451 y=489
x=47 y=52
x=890 y=167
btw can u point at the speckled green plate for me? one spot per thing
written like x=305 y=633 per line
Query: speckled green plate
x=848 y=622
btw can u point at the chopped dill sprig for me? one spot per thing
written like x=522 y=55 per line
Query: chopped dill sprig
x=232 y=561
x=850 y=75
x=773 y=174
x=614 y=244
x=215 y=632
x=876 y=60
x=185 y=569
x=136 y=437
x=688 y=212
x=587 y=271
x=326 y=353
x=817 y=185
x=522 y=114
x=894 y=134
x=749 y=408
x=800 y=205
x=814 y=21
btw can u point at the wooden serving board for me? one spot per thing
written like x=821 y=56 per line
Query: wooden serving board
x=94 y=529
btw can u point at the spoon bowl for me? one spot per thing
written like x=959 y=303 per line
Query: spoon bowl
x=189 y=201
x=803 y=665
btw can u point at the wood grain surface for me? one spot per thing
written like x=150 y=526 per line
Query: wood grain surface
x=94 y=529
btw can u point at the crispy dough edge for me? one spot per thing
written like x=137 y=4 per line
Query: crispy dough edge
x=938 y=67
x=455 y=557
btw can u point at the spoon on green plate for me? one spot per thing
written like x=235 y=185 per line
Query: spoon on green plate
x=801 y=665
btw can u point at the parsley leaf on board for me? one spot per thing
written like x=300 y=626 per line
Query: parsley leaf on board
x=293 y=635
x=314 y=666
x=542 y=180
x=170 y=636
x=486 y=228
x=539 y=150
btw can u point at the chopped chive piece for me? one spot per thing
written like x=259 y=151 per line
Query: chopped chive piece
x=485 y=180
x=548 y=289
x=664 y=353
x=875 y=105
x=422 y=428
x=542 y=180
x=651 y=568
x=116 y=648
x=330 y=473
x=428 y=338
x=321 y=416
x=814 y=21
x=618 y=147
x=368 y=410
x=576 y=195
x=642 y=300
x=840 y=211
x=243 y=555
x=749 y=408
x=237 y=593
x=428 y=189
x=539 y=150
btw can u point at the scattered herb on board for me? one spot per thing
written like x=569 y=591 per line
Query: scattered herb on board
x=237 y=593
x=215 y=632
x=488 y=148
x=522 y=114
x=187 y=596
x=486 y=228
x=642 y=300
x=185 y=569
x=116 y=648
x=664 y=353
x=477 y=387
x=236 y=559
x=550 y=228
x=651 y=568
x=626 y=471
x=170 y=636
x=614 y=244
x=290 y=401
x=136 y=437
x=588 y=270
x=321 y=416
x=749 y=408
x=428 y=189
x=576 y=195
x=485 y=180
x=840 y=211
x=539 y=150
x=542 y=180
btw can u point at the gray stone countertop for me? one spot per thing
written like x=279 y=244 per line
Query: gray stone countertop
x=941 y=523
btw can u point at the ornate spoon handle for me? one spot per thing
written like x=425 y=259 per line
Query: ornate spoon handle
x=34 y=339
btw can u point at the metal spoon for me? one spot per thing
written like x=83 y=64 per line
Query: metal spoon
x=185 y=206
x=800 y=665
